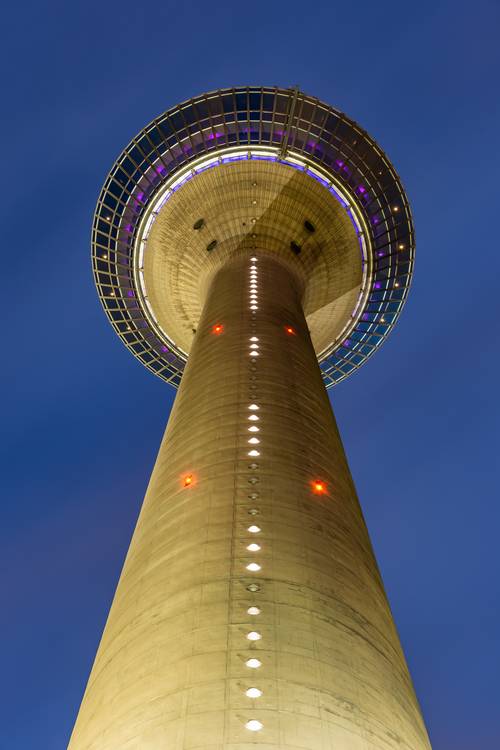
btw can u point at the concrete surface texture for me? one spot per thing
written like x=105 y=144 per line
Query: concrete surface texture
x=250 y=610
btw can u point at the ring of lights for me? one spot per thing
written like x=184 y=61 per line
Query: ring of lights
x=231 y=155
x=244 y=123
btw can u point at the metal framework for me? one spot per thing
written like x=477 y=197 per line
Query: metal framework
x=282 y=125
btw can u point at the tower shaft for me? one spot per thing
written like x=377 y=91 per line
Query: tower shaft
x=173 y=668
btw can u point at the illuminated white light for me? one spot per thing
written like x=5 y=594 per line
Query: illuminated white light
x=253 y=418
x=254 y=441
x=254 y=258
x=254 y=346
x=254 y=529
x=254 y=636
x=253 y=547
x=252 y=307
x=253 y=611
x=253 y=338
x=254 y=354
x=253 y=567
x=253 y=453
x=253 y=428
x=254 y=725
x=253 y=663
x=253 y=693
x=253 y=407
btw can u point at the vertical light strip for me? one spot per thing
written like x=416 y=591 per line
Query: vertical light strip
x=251 y=426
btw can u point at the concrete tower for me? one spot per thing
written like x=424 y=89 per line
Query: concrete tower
x=251 y=246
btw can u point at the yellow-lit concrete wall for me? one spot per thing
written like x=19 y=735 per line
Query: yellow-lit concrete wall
x=171 y=672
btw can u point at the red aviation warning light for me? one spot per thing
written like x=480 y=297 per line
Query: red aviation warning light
x=290 y=330
x=319 y=487
x=187 y=481
x=217 y=329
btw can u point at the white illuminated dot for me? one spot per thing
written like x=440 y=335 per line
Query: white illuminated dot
x=254 y=636
x=253 y=611
x=254 y=258
x=253 y=428
x=253 y=725
x=253 y=693
x=253 y=567
x=253 y=338
x=254 y=441
x=253 y=407
x=252 y=307
x=253 y=663
x=253 y=453
x=253 y=547
x=253 y=418
x=254 y=529
x=254 y=346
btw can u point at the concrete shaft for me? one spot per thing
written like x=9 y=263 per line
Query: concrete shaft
x=172 y=668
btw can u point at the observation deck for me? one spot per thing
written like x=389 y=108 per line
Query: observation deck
x=245 y=169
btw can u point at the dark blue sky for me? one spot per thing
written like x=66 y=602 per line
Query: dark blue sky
x=82 y=420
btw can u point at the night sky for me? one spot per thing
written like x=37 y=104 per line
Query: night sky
x=82 y=419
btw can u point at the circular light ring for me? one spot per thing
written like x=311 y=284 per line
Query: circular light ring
x=228 y=155
x=294 y=126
